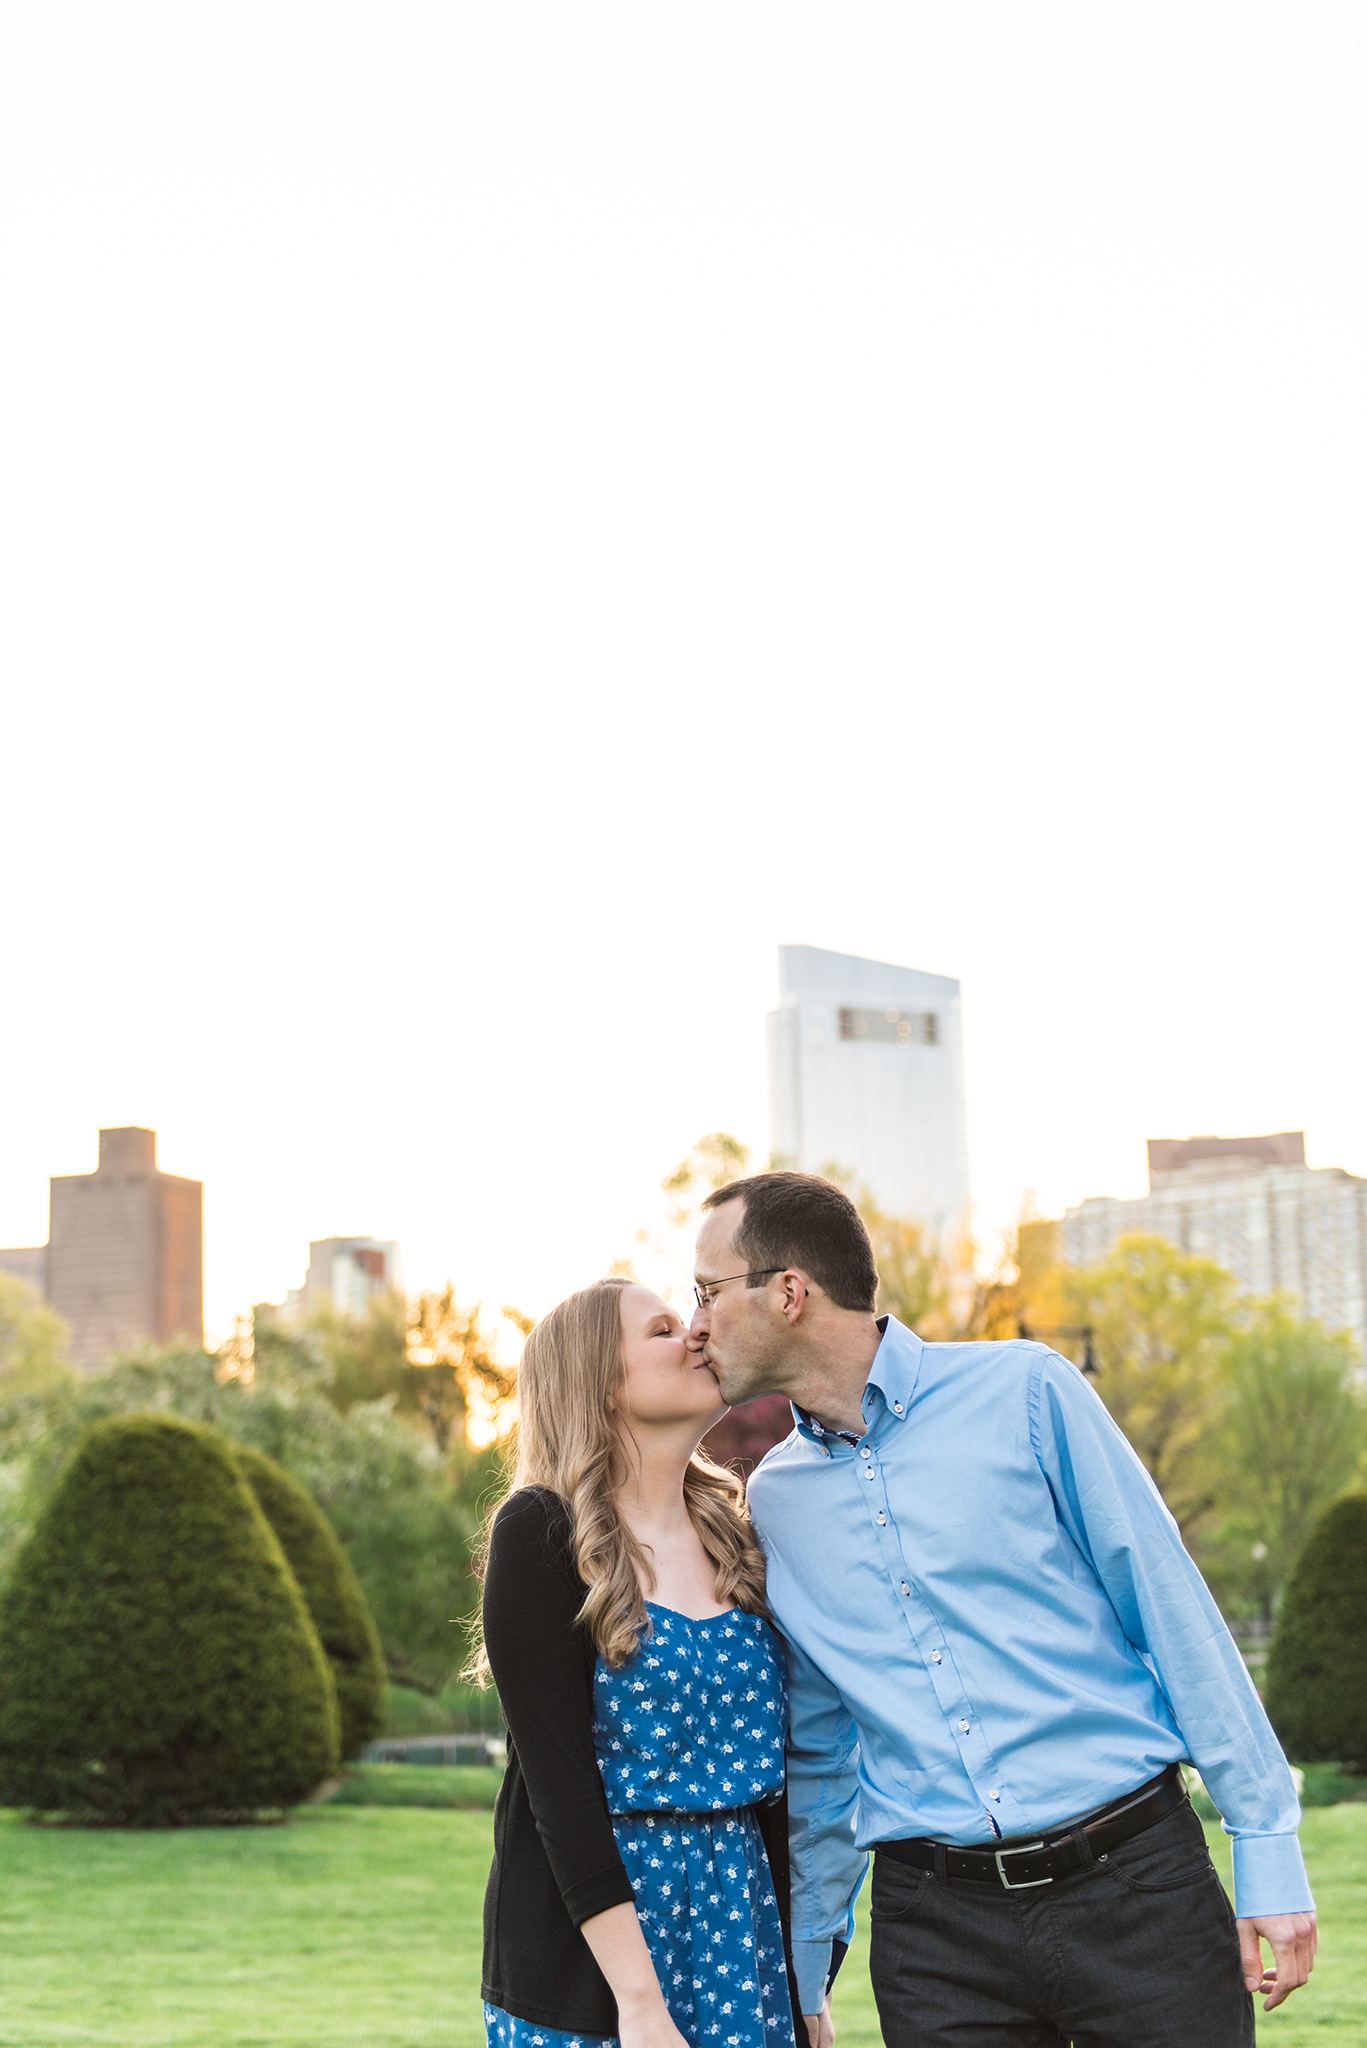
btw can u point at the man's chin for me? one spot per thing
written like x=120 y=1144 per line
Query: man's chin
x=737 y=1392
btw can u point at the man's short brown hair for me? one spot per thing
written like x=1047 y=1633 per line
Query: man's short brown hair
x=799 y=1219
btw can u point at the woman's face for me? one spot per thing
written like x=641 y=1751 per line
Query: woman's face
x=665 y=1381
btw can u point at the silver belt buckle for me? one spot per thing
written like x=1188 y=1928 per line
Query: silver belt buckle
x=1021 y=1849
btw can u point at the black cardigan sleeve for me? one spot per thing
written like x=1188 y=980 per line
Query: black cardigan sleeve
x=543 y=1667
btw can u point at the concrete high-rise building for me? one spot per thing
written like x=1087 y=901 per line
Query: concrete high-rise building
x=345 y=1273
x=1257 y=1209
x=125 y=1252
x=866 y=1074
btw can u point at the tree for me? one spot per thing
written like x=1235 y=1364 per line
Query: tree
x=1163 y=1321
x=715 y=1161
x=914 y=1282
x=1317 y=1667
x=449 y=1361
x=33 y=1341
x=1287 y=1445
x=157 y=1661
x=332 y=1594
x=429 y=1358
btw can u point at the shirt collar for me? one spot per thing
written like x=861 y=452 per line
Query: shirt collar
x=892 y=1378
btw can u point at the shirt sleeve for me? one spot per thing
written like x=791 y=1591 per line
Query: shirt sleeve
x=823 y=1789
x=1115 y=1515
x=545 y=1687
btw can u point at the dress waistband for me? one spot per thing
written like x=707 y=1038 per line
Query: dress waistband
x=680 y=1813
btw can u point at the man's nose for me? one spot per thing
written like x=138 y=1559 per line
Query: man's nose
x=699 y=1327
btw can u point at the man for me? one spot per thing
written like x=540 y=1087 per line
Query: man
x=999 y=1652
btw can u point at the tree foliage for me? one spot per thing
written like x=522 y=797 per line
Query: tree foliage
x=715 y=1161
x=1163 y=1322
x=915 y=1283
x=33 y=1341
x=430 y=1359
x=1288 y=1443
x=450 y=1364
x=1317 y=1667
x=332 y=1594
x=157 y=1661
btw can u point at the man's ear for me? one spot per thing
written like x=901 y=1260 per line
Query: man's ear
x=795 y=1296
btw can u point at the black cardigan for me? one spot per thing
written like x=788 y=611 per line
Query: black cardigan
x=556 y=1862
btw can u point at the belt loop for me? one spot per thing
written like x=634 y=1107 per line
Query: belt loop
x=941 y=1862
x=1078 y=1838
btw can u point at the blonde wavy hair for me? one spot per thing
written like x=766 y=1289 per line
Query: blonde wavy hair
x=567 y=1439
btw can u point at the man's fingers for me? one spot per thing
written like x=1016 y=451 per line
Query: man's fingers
x=1293 y=1958
x=1251 y=1955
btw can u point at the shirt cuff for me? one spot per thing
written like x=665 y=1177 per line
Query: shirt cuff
x=811 y=1967
x=1269 y=1877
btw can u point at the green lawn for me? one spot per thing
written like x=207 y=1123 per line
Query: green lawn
x=358 y=1927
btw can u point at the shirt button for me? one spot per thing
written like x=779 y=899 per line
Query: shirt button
x=864 y=1451
x=905 y=1587
x=897 y=1407
x=882 y=1519
x=963 y=1727
x=998 y=1793
x=934 y=1656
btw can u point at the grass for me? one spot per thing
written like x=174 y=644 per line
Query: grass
x=359 y=1927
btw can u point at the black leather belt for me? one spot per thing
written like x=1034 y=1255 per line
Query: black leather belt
x=1016 y=1866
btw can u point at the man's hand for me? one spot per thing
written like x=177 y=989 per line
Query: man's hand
x=820 y=2026
x=1292 y=1937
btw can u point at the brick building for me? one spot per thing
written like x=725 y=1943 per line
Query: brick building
x=124 y=1259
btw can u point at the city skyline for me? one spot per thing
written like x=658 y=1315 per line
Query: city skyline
x=617 y=1238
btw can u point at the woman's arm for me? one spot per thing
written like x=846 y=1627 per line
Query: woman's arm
x=619 y=1949
x=537 y=1655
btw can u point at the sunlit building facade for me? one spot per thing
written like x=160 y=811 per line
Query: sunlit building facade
x=345 y=1274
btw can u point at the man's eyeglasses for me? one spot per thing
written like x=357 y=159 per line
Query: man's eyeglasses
x=706 y=1289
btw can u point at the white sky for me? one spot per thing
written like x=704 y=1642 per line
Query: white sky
x=512 y=512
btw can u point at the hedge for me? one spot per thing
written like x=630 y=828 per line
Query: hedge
x=157 y=1661
x=332 y=1593
x=1317 y=1666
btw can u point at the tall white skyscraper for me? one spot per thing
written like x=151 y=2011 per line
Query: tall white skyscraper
x=866 y=1074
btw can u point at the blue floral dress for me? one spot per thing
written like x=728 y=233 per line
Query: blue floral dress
x=689 y=1734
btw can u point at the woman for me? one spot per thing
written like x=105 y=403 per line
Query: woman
x=631 y=1896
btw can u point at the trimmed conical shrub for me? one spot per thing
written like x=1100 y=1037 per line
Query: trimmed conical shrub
x=332 y=1593
x=1317 y=1667
x=157 y=1661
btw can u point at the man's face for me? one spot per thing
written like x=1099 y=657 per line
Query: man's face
x=743 y=1333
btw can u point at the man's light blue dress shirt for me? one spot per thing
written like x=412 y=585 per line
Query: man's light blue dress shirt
x=992 y=1627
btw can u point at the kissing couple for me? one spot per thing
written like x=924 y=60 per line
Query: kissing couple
x=951 y=1625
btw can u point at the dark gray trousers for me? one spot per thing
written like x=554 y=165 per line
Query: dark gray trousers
x=1139 y=1951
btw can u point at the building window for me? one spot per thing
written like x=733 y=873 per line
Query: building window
x=891 y=1027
